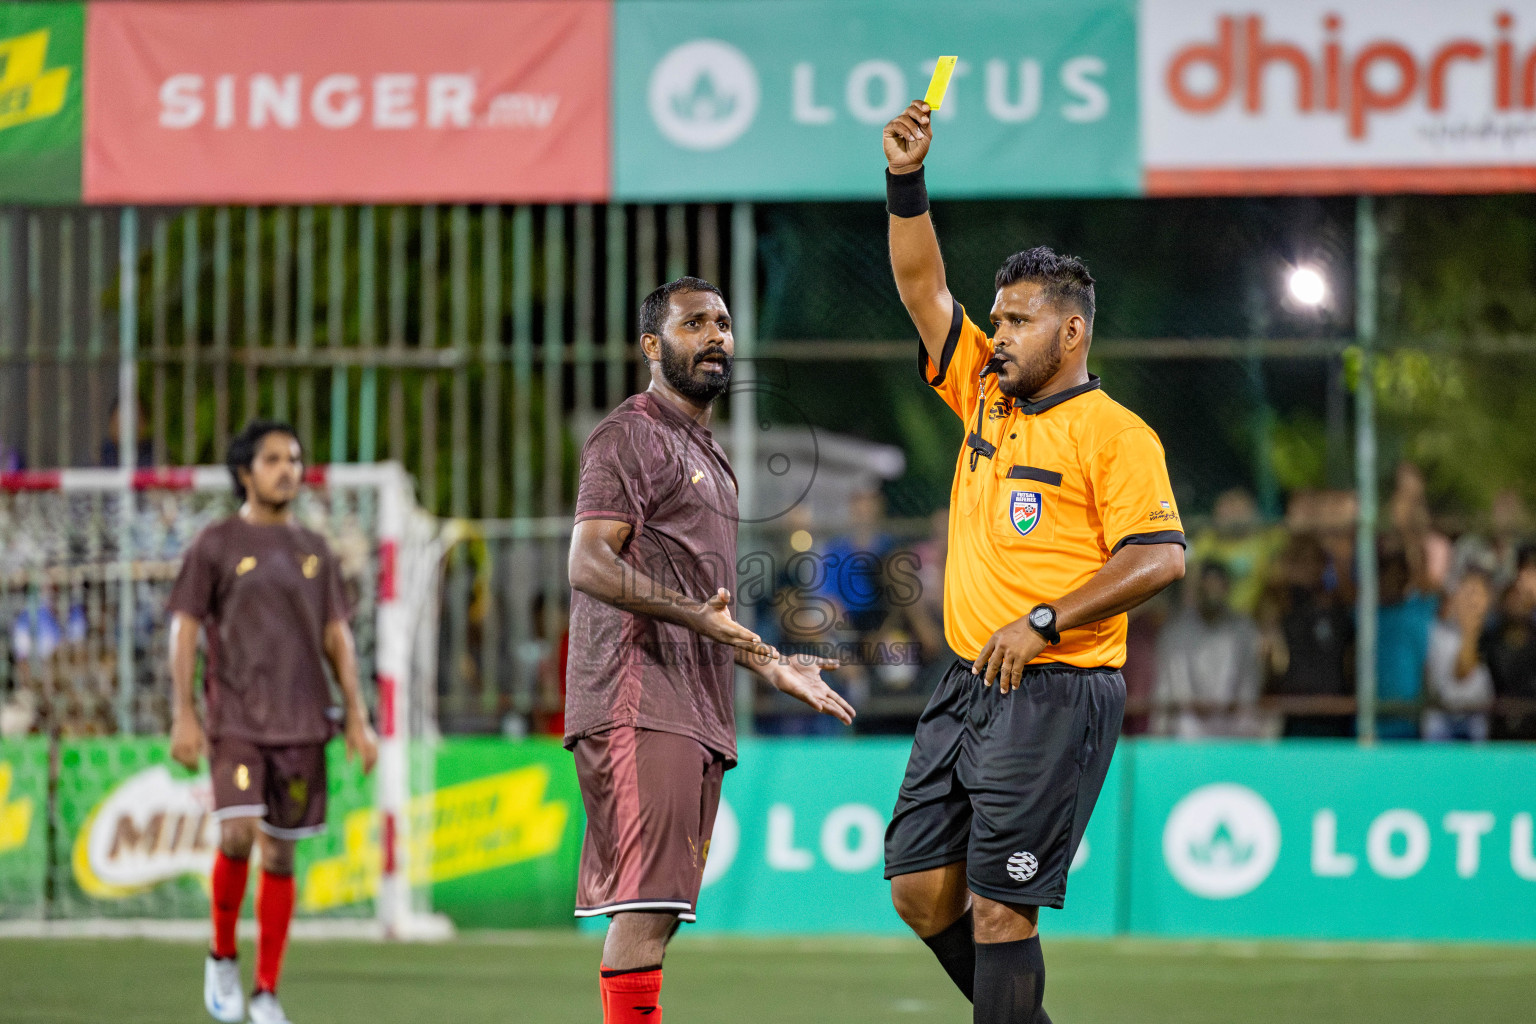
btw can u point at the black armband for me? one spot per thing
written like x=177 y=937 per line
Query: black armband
x=906 y=195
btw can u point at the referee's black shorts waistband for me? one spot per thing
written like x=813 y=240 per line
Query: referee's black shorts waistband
x=1046 y=666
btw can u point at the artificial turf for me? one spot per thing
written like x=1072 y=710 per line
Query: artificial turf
x=533 y=978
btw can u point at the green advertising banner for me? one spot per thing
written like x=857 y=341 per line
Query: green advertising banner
x=41 y=65
x=497 y=840
x=136 y=834
x=799 y=844
x=1325 y=840
x=23 y=827
x=729 y=99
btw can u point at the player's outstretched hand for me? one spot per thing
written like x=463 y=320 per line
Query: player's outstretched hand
x=187 y=741
x=907 y=138
x=361 y=742
x=1006 y=655
x=799 y=675
x=715 y=622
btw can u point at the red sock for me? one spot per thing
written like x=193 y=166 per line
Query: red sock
x=228 y=884
x=274 y=910
x=631 y=997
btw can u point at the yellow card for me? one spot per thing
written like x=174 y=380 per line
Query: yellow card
x=939 y=82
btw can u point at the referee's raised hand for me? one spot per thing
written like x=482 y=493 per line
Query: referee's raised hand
x=907 y=138
x=1006 y=654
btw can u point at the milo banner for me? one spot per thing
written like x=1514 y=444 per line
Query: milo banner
x=799 y=844
x=41 y=67
x=136 y=833
x=23 y=827
x=736 y=99
x=497 y=841
x=1328 y=840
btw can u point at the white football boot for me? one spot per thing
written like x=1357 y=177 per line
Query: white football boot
x=265 y=1009
x=221 y=990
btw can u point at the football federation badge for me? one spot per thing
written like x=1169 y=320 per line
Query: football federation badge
x=1024 y=511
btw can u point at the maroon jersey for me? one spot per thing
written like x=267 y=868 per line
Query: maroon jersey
x=650 y=465
x=264 y=595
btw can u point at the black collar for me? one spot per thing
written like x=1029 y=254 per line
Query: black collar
x=1029 y=408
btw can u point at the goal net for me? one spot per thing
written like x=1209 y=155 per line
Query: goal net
x=114 y=829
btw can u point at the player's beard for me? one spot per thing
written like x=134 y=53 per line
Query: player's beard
x=686 y=377
x=1029 y=377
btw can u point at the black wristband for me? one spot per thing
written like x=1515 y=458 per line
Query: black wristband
x=906 y=195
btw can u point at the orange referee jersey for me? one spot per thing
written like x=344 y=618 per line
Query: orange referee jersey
x=1044 y=493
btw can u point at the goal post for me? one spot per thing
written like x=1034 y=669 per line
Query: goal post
x=87 y=558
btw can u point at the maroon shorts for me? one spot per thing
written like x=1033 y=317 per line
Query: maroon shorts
x=284 y=786
x=651 y=799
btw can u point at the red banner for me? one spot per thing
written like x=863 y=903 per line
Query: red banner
x=345 y=101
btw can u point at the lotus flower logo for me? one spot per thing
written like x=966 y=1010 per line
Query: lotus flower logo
x=1222 y=849
x=704 y=102
x=704 y=94
x=1221 y=841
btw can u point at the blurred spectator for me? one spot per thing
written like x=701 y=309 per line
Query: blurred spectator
x=909 y=653
x=549 y=715
x=145 y=453
x=806 y=623
x=1498 y=553
x=855 y=564
x=925 y=613
x=1140 y=669
x=1208 y=668
x=1403 y=622
x=1509 y=647
x=1459 y=685
x=1328 y=519
x=1428 y=550
x=1311 y=637
x=1240 y=541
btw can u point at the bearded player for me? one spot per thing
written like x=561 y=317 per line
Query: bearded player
x=649 y=710
x=268 y=594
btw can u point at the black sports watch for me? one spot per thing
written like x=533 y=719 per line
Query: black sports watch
x=1042 y=619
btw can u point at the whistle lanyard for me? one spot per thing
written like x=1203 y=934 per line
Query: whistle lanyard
x=979 y=445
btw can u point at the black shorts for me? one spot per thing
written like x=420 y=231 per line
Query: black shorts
x=284 y=785
x=1006 y=782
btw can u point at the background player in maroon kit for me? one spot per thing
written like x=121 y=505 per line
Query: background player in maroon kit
x=268 y=593
x=653 y=645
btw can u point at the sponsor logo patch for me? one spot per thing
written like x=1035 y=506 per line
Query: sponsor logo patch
x=1025 y=511
x=1022 y=866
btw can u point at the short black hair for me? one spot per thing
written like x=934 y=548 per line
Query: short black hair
x=653 y=311
x=244 y=446
x=1066 y=278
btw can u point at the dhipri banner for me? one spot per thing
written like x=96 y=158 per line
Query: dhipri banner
x=449 y=100
x=783 y=100
x=1337 y=96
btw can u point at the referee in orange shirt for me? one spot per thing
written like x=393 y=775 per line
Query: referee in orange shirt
x=1062 y=519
